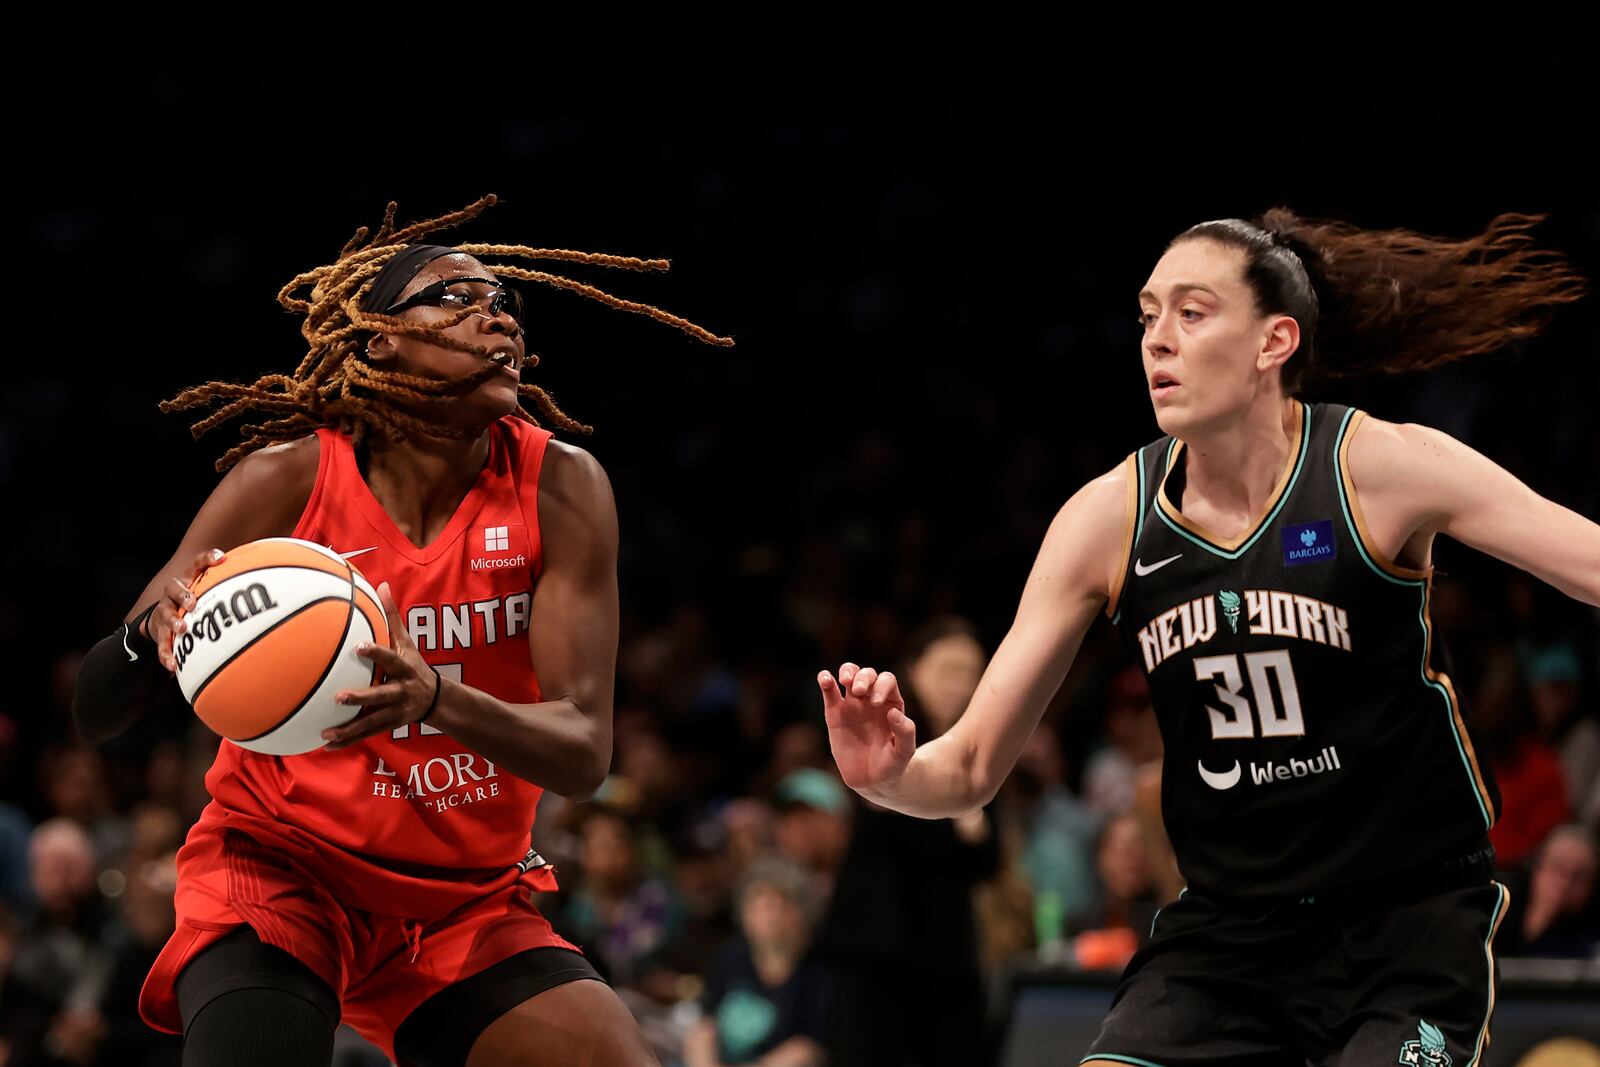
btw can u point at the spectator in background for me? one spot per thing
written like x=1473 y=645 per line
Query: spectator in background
x=75 y=786
x=164 y=776
x=1554 y=677
x=154 y=831
x=147 y=921
x=1133 y=741
x=619 y=911
x=1128 y=899
x=1557 y=916
x=1003 y=906
x=1057 y=833
x=59 y=943
x=99 y=1020
x=704 y=877
x=644 y=760
x=750 y=825
x=1533 y=793
x=812 y=826
x=765 y=1001
x=795 y=746
x=84 y=974
x=900 y=938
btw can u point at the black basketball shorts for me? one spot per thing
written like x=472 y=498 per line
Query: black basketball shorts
x=1409 y=980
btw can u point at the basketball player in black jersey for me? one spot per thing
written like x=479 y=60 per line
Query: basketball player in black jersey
x=1268 y=562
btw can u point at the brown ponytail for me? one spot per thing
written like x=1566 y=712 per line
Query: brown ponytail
x=1395 y=300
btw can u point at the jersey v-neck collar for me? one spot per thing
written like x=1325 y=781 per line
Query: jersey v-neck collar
x=1235 y=547
x=384 y=524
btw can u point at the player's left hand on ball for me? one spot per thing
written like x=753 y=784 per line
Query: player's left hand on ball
x=405 y=694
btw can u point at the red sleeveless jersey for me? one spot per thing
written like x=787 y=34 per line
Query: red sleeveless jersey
x=406 y=822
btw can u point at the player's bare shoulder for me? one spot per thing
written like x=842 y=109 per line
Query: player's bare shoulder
x=1401 y=469
x=263 y=495
x=575 y=494
x=278 y=478
x=1378 y=450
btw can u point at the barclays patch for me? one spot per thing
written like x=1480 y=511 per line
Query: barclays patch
x=1311 y=542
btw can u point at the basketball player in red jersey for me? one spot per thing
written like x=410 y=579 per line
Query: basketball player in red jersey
x=1270 y=563
x=384 y=879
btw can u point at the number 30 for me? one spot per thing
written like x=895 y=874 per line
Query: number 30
x=1238 y=720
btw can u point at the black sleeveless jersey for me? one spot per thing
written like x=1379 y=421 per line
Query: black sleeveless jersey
x=1313 y=741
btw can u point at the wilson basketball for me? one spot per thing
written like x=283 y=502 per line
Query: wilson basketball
x=271 y=638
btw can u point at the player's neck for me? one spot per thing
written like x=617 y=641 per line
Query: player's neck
x=421 y=481
x=1237 y=468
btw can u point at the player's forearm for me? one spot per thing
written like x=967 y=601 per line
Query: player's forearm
x=554 y=744
x=1574 y=566
x=1553 y=543
x=119 y=681
x=940 y=782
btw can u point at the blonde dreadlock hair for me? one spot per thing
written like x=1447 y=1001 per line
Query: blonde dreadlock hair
x=335 y=386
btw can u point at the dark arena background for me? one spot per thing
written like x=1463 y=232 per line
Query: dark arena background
x=930 y=269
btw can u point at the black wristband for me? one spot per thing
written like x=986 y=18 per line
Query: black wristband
x=138 y=644
x=438 y=684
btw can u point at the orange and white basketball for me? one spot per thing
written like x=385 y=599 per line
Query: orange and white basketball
x=271 y=638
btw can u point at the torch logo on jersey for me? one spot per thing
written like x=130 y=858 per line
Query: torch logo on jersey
x=1428 y=1049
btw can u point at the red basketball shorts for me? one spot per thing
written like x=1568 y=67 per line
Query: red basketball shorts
x=381 y=966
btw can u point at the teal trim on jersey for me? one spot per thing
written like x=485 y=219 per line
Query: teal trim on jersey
x=1344 y=506
x=1421 y=585
x=1120 y=1059
x=1138 y=527
x=1299 y=465
x=1161 y=909
x=1449 y=707
x=1488 y=957
x=1138 y=518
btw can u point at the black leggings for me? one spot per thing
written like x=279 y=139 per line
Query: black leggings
x=249 y=1004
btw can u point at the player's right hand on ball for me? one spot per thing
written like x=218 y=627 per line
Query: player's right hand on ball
x=871 y=737
x=167 y=623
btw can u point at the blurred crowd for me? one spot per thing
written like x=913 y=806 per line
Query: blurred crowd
x=930 y=273
x=751 y=909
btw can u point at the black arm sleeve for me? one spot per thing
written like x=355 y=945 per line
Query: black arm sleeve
x=120 y=680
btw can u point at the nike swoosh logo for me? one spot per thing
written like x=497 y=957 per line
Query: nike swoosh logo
x=357 y=552
x=1141 y=570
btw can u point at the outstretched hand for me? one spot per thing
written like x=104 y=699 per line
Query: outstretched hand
x=871 y=737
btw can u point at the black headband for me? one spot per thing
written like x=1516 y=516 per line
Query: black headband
x=397 y=274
